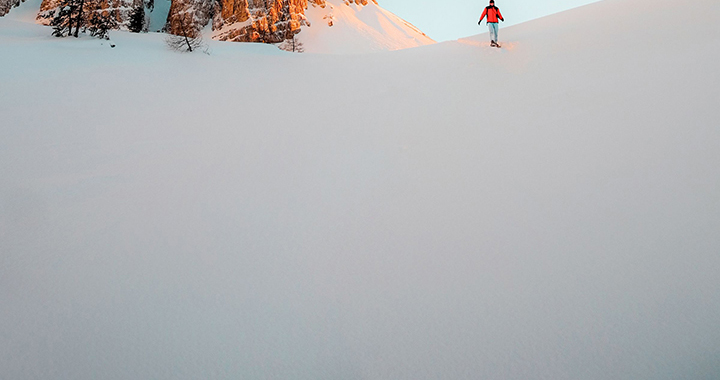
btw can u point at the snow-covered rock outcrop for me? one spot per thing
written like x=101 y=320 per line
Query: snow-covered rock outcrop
x=323 y=26
x=259 y=20
x=6 y=5
x=360 y=26
x=320 y=26
x=197 y=12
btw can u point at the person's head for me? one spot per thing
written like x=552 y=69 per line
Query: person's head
x=492 y=2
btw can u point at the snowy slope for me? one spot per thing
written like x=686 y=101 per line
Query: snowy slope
x=25 y=12
x=546 y=211
x=352 y=28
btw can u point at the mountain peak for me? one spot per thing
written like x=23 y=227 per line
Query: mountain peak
x=320 y=26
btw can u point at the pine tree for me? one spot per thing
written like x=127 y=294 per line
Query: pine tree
x=62 y=18
x=73 y=16
x=137 y=18
x=290 y=42
x=100 y=23
x=79 y=18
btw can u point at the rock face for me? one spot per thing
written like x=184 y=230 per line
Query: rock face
x=264 y=20
x=329 y=26
x=193 y=14
x=269 y=21
x=6 y=5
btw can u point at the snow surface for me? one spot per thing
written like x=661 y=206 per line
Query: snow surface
x=27 y=11
x=546 y=211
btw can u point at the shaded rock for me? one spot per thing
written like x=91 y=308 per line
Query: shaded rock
x=200 y=12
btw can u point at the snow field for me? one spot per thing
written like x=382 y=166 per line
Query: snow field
x=549 y=211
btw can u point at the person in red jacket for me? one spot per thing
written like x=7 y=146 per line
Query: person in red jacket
x=493 y=14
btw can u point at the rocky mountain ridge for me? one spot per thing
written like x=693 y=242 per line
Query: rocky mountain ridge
x=268 y=21
x=316 y=26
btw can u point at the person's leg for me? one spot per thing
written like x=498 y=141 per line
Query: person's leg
x=493 y=27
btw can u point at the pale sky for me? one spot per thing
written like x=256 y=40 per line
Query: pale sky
x=452 y=19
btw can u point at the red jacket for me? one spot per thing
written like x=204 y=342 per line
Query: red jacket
x=492 y=13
